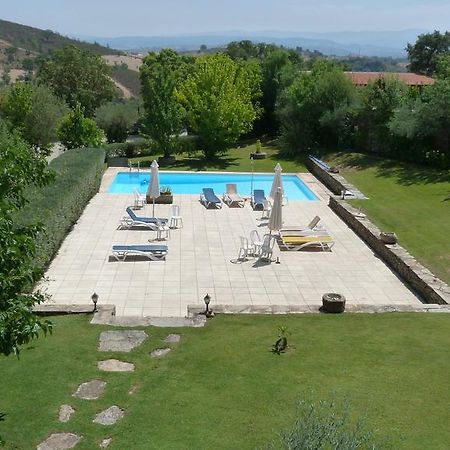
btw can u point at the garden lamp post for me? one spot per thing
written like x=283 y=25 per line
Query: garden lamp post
x=94 y=299
x=207 y=300
x=251 y=182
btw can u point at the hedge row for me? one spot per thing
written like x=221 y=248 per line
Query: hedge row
x=145 y=147
x=58 y=206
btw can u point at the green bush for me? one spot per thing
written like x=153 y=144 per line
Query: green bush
x=129 y=149
x=118 y=119
x=76 y=131
x=58 y=206
x=329 y=425
x=186 y=144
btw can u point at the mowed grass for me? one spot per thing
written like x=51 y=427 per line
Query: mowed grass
x=235 y=160
x=222 y=388
x=412 y=201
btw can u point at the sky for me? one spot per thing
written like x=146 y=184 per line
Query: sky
x=112 y=18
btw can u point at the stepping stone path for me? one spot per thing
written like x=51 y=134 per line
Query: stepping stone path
x=59 y=441
x=110 y=341
x=65 y=411
x=121 y=341
x=90 y=390
x=109 y=416
x=160 y=352
x=105 y=442
x=114 y=365
x=172 y=338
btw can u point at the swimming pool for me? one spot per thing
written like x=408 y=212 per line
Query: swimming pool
x=192 y=183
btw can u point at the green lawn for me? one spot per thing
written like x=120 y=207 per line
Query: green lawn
x=413 y=201
x=236 y=160
x=222 y=388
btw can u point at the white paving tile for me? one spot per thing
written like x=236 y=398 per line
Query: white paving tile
x=202 y=259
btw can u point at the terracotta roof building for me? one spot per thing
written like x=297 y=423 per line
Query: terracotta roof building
x=411 y=79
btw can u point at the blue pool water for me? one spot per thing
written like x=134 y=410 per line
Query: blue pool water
x=192 y=183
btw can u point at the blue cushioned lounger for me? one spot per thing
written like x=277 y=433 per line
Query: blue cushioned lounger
x=259 y=198
x=208 y=197
x=154 y=252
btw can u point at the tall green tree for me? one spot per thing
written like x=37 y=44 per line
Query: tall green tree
x=78 y=131
x=160 y=74
x=315 y=110
x=380 y=100
x=424 y=53
x=19 y=168
x=425 y=122
x=279 y=68
x=34 y=111
x=217 y=99
x=78 y=77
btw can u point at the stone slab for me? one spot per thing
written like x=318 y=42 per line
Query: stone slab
x=172 y=338
x=160 y=352
x=59 y=441
x=109 y=416
x=105 y=442
x=91 y=390
x=121 y=341
x=65 y=412
x=114 y=365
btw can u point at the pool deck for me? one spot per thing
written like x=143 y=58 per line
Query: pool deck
x=202 y=259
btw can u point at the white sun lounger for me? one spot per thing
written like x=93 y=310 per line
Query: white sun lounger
x=231 y=196
x=297 y=242
x=153 y=252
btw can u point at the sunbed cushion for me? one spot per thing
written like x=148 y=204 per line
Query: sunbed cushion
x=156 y=248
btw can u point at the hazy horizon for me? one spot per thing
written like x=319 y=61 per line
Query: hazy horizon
x=116 y=18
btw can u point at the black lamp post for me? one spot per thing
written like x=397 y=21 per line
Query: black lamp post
x=94 y=299
x=207 y=300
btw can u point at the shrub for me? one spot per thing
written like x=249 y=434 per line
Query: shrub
x=58 y=206
x=118 y=119
x=129 y=149
x=329 y=425
x=77 y=131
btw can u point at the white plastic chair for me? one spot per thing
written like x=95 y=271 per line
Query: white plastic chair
x=267 y=247
x=256 y=242
x=162 y=228
x=176 y=220
x=246 y=249
x=267 y=208
x=139 y=199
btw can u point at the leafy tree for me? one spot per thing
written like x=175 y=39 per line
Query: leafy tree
x=34 y=111
x=17 y=104
x=279 y=68
x=78 y=77
x=217 y=98
x=380 y=100
x=160 y=74
x=425 y=122
x=77 y=131
x=19 y=168
x=443 y=67
x=423 y=55
x=316 y=108
x=118 y=119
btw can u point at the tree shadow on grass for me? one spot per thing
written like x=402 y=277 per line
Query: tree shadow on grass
x=198 y=164
x=407 y=174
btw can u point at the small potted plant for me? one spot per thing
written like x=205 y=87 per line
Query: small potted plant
x=165 y=196
x=258 y=154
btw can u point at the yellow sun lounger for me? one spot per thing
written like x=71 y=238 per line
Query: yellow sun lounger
x=296 y=242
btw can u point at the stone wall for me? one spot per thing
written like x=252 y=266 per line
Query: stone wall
x=430 y=288
x=330 y=181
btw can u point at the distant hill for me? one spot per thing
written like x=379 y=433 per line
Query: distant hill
x=364 y=43
x=21 y=46
x=41 y=42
